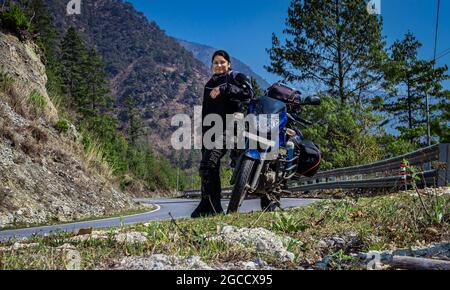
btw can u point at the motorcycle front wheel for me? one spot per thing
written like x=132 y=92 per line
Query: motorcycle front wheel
x=241 y=185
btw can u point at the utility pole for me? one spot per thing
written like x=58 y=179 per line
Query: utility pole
x=427 y=101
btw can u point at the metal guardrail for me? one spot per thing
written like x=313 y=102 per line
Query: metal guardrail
x=226 y=193
x=433 y=163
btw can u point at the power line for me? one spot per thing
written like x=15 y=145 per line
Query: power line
x=443 y=53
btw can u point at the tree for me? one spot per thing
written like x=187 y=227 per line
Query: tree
x=343 y=134
x=96 y=85
x=73 y=61
x=47 y=39
x=336 y=44
x=135 y=127
x=256 y=88
x=408 y=81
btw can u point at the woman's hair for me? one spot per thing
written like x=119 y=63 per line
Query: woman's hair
x=222 y=53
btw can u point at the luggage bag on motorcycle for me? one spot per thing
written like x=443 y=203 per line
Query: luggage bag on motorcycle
x=310 y=158
x=284 y=93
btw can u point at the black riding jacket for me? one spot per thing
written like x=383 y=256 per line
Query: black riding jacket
x=233 y=86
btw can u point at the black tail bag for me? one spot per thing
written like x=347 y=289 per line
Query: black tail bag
x=310 y=158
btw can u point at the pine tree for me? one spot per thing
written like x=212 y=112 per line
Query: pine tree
x=408 y=81
x=335 y=44
x=47 y=40
x=73 y=62
x=256 y=88
x=96 y=86
x=135 y=127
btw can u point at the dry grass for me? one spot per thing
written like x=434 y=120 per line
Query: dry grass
x=37 y=133
x=31 y=148
x=15 y=98
x=95 y=162
x=7 y=131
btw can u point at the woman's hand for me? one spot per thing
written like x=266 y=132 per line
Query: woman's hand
x=215 y=92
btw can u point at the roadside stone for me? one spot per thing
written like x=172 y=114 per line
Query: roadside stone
x=18 y=246
x=260 y=262
x=71 y=256
x=131 y=238
x=321 y=244
x=227 y=230
x=261 y=239
x=162 y=262
x=92 y=236
x=249 y=265
x=66 y=247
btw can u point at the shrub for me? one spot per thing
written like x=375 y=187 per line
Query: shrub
x=15 y=19
x=63 y=126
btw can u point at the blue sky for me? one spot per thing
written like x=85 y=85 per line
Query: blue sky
x=244 y=27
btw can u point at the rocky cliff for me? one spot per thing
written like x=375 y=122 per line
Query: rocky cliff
x=44 y=174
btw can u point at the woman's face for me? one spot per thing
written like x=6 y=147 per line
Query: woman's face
x=220 y=65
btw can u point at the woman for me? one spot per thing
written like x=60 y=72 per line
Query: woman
x=221 y=96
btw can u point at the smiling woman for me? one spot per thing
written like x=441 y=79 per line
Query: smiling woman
x=222 y=95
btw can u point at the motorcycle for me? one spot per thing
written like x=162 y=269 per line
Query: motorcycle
x=256 y=174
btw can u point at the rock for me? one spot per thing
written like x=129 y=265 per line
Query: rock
x=260 y=262
x=227 y=230
x=321 y=266
x=66 y=247
x=72 y=132
x=131 y=238
x=18 y=246
x=93 y=236
x=340 y=242
x=73 y=260
x=34 y=188
x=321 y=244
x=162 y=262
x=249 y=265
x=261 y=239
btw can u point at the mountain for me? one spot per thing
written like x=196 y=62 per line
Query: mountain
x=204 y=54
x=141 y=61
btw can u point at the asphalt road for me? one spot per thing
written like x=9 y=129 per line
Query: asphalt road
x=178 y=208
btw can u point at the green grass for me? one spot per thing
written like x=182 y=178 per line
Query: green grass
x=62 y=126
x=37 y=101
x=380 y=223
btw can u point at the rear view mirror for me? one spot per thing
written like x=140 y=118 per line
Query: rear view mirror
x=311 y=100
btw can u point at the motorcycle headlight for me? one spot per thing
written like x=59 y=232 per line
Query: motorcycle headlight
x=267 y=123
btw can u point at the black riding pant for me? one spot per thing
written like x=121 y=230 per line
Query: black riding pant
x=210 y=172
